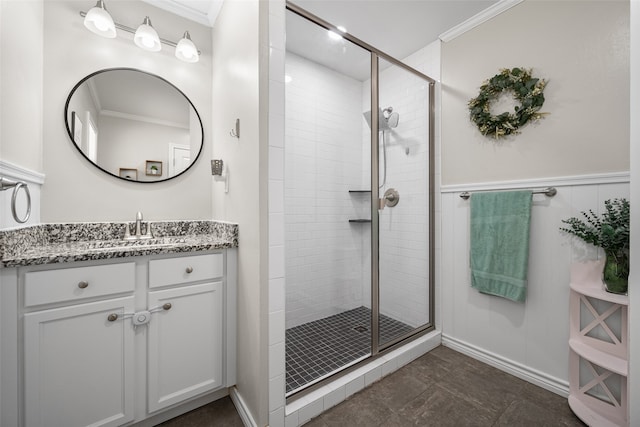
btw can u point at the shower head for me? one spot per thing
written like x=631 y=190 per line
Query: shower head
x=382 y=121
x=392 y=120
x=387 y=119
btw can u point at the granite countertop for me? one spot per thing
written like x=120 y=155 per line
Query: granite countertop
x=59 y=243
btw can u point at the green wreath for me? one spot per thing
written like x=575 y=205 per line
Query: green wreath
x=527 y=90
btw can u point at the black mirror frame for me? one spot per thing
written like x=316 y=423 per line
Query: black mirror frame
x=70 y=134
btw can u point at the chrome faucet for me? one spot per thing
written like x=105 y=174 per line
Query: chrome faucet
x=138 y=224
x=138 y=235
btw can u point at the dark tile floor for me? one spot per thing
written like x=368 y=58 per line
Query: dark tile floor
x=441 y=388
x=220 y=413
x=447 y=388
x=316 y=349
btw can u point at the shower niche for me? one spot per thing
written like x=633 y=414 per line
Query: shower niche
x=358 y=202
x=362 y=201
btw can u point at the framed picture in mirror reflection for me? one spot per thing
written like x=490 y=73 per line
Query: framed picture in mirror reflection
x=130 y=174
x=76 y=130
x=153 y=168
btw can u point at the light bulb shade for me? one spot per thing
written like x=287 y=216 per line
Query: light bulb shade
x=185 y=49
x=99 y=21
x=146 y=37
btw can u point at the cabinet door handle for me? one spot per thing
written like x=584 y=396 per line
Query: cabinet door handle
x=112 y=317
x=83 y=284
x=166 y=306
x=189 y=270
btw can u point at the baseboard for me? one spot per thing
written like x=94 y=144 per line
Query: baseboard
x=519 y=370
x=241 y=407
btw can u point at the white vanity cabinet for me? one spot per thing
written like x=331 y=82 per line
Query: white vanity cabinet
x=185 y=346
x=78 y=360
x=79 y=366
x=125 y=341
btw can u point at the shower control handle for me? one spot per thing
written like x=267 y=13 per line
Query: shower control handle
x=391 y=198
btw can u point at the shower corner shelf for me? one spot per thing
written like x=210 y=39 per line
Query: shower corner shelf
x=598 y=345
x=359 y=221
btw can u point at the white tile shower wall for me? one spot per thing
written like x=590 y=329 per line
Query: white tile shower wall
x=323 y=157
x=530 y=337
x=404 y=233
x=276 y=214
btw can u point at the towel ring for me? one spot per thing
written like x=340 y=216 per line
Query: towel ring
x=13 y=202
x=5 y=184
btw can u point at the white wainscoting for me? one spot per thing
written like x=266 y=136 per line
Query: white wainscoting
x=528 y=340
x=34 y=181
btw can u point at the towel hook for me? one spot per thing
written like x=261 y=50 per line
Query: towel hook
x=236 y=132
x=5 y=184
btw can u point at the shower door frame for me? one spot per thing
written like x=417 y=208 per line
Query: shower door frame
x=378 y=350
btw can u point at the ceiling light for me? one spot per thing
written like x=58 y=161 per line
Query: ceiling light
x=333 y=35
x=185 y=49
x=99 y=21
x=146 y=37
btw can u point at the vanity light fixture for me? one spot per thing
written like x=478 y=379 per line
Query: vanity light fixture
x=146 y=37
x=100 y=22
x=185 y=49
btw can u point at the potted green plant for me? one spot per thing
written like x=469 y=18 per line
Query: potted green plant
x=610 y=231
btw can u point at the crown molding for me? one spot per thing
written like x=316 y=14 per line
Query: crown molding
x=146 y=119
x=474 y=21
x=179 y=8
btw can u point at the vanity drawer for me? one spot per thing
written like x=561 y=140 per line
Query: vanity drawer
x=171 y=271
x=69 y=284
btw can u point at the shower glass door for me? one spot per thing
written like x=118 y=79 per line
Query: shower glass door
x=404 y=185
x=326 y=203
x=358 y=276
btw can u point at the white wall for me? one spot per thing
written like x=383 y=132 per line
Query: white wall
x=21 y=72
x=322 y=162
x=533 y=335
x=581 y=48
x=240 y=50
x=276 y=308
x=21 y=105
x=569 y=149
x=77 y=191
x=634 y=277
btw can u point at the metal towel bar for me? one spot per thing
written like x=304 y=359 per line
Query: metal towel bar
x=5 y=184
x=549 y=192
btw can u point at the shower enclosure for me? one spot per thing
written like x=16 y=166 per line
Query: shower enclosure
x=358 y=201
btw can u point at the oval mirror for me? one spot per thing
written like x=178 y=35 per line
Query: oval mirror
x=134 y=125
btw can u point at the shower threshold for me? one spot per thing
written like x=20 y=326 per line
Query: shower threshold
x=316 y=350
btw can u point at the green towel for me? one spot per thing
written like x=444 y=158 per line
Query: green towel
x=500 y=243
